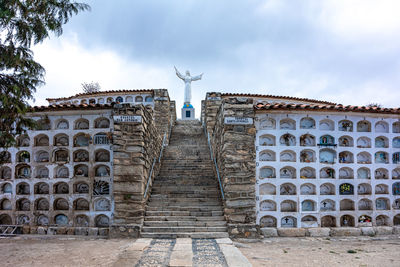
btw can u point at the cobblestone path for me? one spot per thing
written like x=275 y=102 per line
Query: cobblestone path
x=206 y=252
x=158 y=253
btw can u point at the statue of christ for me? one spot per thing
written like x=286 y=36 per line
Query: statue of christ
x=187 y=79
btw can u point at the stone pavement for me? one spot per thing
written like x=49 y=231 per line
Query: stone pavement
x=184 y=252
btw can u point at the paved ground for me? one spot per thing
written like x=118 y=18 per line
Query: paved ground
x=78 y=251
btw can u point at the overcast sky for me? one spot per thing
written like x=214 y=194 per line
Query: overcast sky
x=344 y=51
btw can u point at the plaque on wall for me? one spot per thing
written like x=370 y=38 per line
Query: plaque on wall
x=238 y=120
x=127 y=118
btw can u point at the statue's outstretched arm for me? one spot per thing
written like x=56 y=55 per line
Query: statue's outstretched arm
x=198 y=77
x=179 y=74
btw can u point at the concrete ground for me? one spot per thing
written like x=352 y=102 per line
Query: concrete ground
x=310 y=251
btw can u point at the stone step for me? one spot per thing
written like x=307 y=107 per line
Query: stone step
x=186 y=235
x=184 y=218
x=184 y=223
x=179 y=199
x=158 y=207
x=183 y=229
x=184 y=213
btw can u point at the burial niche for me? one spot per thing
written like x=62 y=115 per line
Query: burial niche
x=81 y=204
x=129 y=99
x=5 y=204
x=327 y=140
x=23 y=189
x=365 y=220
x=308 y=205
x=346 y=141
x=102 y=156
x=346 y=204
x=42 y=220
x=381 y=142
x=138 y=98
x=267 y=140
x=396 y=174
x=267 y=124
x=346 y=189
x=61 y=140
x=62 y=172
x=287 y=189
x=102 y=123
x=382 y=204
x=381 y=189
x=396 y=142
x=81 y=221
x=6 y=188
x=81 y=140
x=327 y=205
x=102 y=170
x=382 y=220
x=396 y=189
x=61 y=188
x=42 y=156
x=288 y=206
x=365 y=204
x=363 y=142
x=23 y=204
x=345 y=126
x=363 y=173
x=23 y=140
x=42 y=172
x=364 y=189
x=81 y=156
x=23 y=220
x=5 y=173
x=288 y=222
x=327 y=189
x=23 y=171
x=102 y=139
x=62 y=125
x=102 y=204
x=102 y=221
x=309 y=221
x=364 y=158
x=327 y=155
x=268 y=221
x=23 y=156
x=327 y=173
x=41 y=140
x=81 y=124
x=307 y=140
x=396 y=127
x=307 y=189
x=382 y=157
x=396 y=219
x=288 y=156
x=326 y=125
x=5 y=157
x=43 y=124
x=287 y=124
x=396 y=158
x=307 y=173
x=42 y=204
x=267 y=172
x=61 y=219
x=267 y=189
x=61 y=204
x=267 y=205
x=61 y=156
x=363 y=126
x=267 y=155
x=396 y=204
x=119 y=99
x=110 y=100
x=101 y=188
x=287 y=140
x=381 y=127
x=346 y=157
x=307 y=123
x=287 y=173
x=347 y=221
x=81 y=188
x=307 y=156
x=328 y=221
x=5 y=219
x=81 y=170
x=381 y=174
x=41 y=189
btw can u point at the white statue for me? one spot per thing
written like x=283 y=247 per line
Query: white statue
x=187 y=79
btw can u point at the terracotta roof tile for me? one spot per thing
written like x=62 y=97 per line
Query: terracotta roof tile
x=71 y=107
x=277 y=97
x=109 y=92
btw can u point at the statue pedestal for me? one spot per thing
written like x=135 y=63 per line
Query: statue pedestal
x=187 y=112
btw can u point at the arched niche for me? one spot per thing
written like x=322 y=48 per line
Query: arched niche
x=382 y=204
x=42 y=220
x=81 y=221
x=307 y=155
x=346 y=157
x=101 y=188
x=5 y=204
x=268 y=221
x=267 y=189
x=61 y=156
x=110 y=100
x=102 y=139
x=102 y=221
x=288 y=156
x=326 y=125
x=83 y=101
x=81 y=170
x=81 y=140
x=382 y=220
x=81 y=124
x=363 y=126
x=138 y=98
x=62 y=125
x=307 y=140
x=43 y=124
x=396 y=189
x=308 y=205
x=309 y=221
x=396 y=174
x=129 y=99
x=267 y=155
x=396 y=204
x=365 y=220
x=363 y=142
x=102 y=204
x=365 y=204
x=327 y=189
x=381 y=142
x=61 y=172
x=5 y=157
x=42 y=172
x=288 y=222
x=287 y=124
x=23 y=204
x=5 y=173
x=307 y=173
x=119 y=99
x=102 y=155
x=345 y=126
x=23 y=189
x=396 y=127
x=81 y=204
x=148 y=99
x=6 y=188
x=307 y=189
x=287 y=173
x=363 y=173
x=5 y=219
x=61 y=220
x=23 y=171
x=307 y=123
x=81 y=155
x=346 y=189
x=41 y=188
x=92 y=101
x=287 y=189
x=81 y=188
x=381 y=189
x=396 y=142
x=346 y=141
x=288 y=206
x=381 y=127
x=327 y=173
x=102 y=123
x=23 y=141
x=327 y=205
x=364 y=189
x=328 y=221
x=23 y=156
x=267 y=205
x=267 y=172
x=381 y=174
x=42 y=156
x=267 y=140
x=346 y=204
x=267 y=124
x=61 y=188
x=327 y=155
x=61 y=204
x=102 y=171
x=42 y=204
x=326 y=140
x=395 y=158
x=396 y=219
x=287 y=140
x=23 y=219
x=381 y=157
x=364 y=158
x=61 y=140
x=41 y=140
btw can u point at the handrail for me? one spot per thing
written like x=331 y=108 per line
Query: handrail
x=216 y=166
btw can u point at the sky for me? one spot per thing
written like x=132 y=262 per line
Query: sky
x=343 y=51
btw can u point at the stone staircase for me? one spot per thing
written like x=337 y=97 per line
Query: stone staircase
x=185 y=198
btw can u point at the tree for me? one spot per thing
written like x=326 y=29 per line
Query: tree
x=23 y=23
x=91 y=87
x=374 y=105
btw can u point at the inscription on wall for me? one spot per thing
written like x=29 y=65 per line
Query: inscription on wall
x=238 y=120
x=126 y=118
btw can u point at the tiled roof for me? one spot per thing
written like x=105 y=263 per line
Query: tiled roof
x=278 y=97
x=71 y=107
x=100 y=93
x=339 y=108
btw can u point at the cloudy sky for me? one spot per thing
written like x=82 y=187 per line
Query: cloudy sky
x=344 y=51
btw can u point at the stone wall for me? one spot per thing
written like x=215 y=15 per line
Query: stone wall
x=233 y=148
x=209 y=110
x=164 y=111
x=136 y=147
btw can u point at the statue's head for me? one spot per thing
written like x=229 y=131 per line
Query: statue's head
x=187 y=73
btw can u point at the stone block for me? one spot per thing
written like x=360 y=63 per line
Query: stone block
x=124 y=231
x=34 y=230
x=103 y=231
x=383 y=230
x=81 y=231
x=269 y=232
x=292 y=232
x=26 y=230
x=52 y=231
x=345 y=231
x=70 y=231
x=93 y=231
x=61 y=231
x=396 y=230
x=318 y=231
x=368 y=231
x=41 y=230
